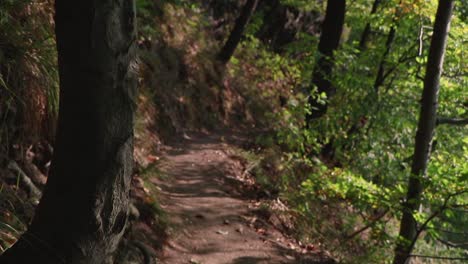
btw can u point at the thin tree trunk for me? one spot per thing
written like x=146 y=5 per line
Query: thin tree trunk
x=380 y=78
x=332 y=28
x=83 y=212
x=425 y=132
x=236 y=34
x=367 y=29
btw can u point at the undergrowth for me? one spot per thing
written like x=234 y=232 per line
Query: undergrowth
x=28 y=73
x=28 y=101
x=333 y=202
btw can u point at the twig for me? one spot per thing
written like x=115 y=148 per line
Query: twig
x=364 y=228
x=449 y=231
x=459 y=208
x=451 y=244
x=147 y=255
x=437 y=257
x=34 y=192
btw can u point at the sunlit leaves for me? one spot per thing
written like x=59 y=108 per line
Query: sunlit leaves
x=372 y=129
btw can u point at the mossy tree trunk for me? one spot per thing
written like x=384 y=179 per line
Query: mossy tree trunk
x=236 y=34
x=425 y=132
x=332 y=28
x=83 y=212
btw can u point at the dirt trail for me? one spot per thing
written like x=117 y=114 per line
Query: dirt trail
x=212 y=223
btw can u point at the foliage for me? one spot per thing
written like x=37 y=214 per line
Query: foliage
x=301 y=4
x=28 y=75
x=15 y=213
x=371 y=132
x=28 y=99
x=347 y=199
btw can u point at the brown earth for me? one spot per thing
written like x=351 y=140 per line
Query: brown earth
x=212 y=220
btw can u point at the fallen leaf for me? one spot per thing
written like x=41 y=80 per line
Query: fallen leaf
x=221 y=232
x=194 y=261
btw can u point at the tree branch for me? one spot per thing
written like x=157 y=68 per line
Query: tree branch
x=452 y=121
x=449 y=231
x=34 y=192
x=364 y=228
x=438 y=257
x=451 y=244
x=433 y=215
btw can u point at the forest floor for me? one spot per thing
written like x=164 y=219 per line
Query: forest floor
x=213 y=216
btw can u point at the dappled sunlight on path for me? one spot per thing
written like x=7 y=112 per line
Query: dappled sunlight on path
x=212 y=222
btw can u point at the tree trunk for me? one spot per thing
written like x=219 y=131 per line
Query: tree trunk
x=367 y=29
x=425 y=132
x=380 y=78
x=332 y=28
x=236 y=34
x=83 y=212
x=378 y=82
x=274 y=22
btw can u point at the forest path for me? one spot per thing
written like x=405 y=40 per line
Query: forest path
x=212 y=223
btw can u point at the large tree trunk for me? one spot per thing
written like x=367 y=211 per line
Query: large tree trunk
x=425 y=132
x=83 y=212
x=236 y=34
x=332 y=28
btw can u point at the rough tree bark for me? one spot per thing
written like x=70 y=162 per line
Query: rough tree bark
x=425 y=131
x=236 y=34
x=83 y=212
x=332 y=28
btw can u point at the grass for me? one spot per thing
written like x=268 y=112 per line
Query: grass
x=15 y=213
